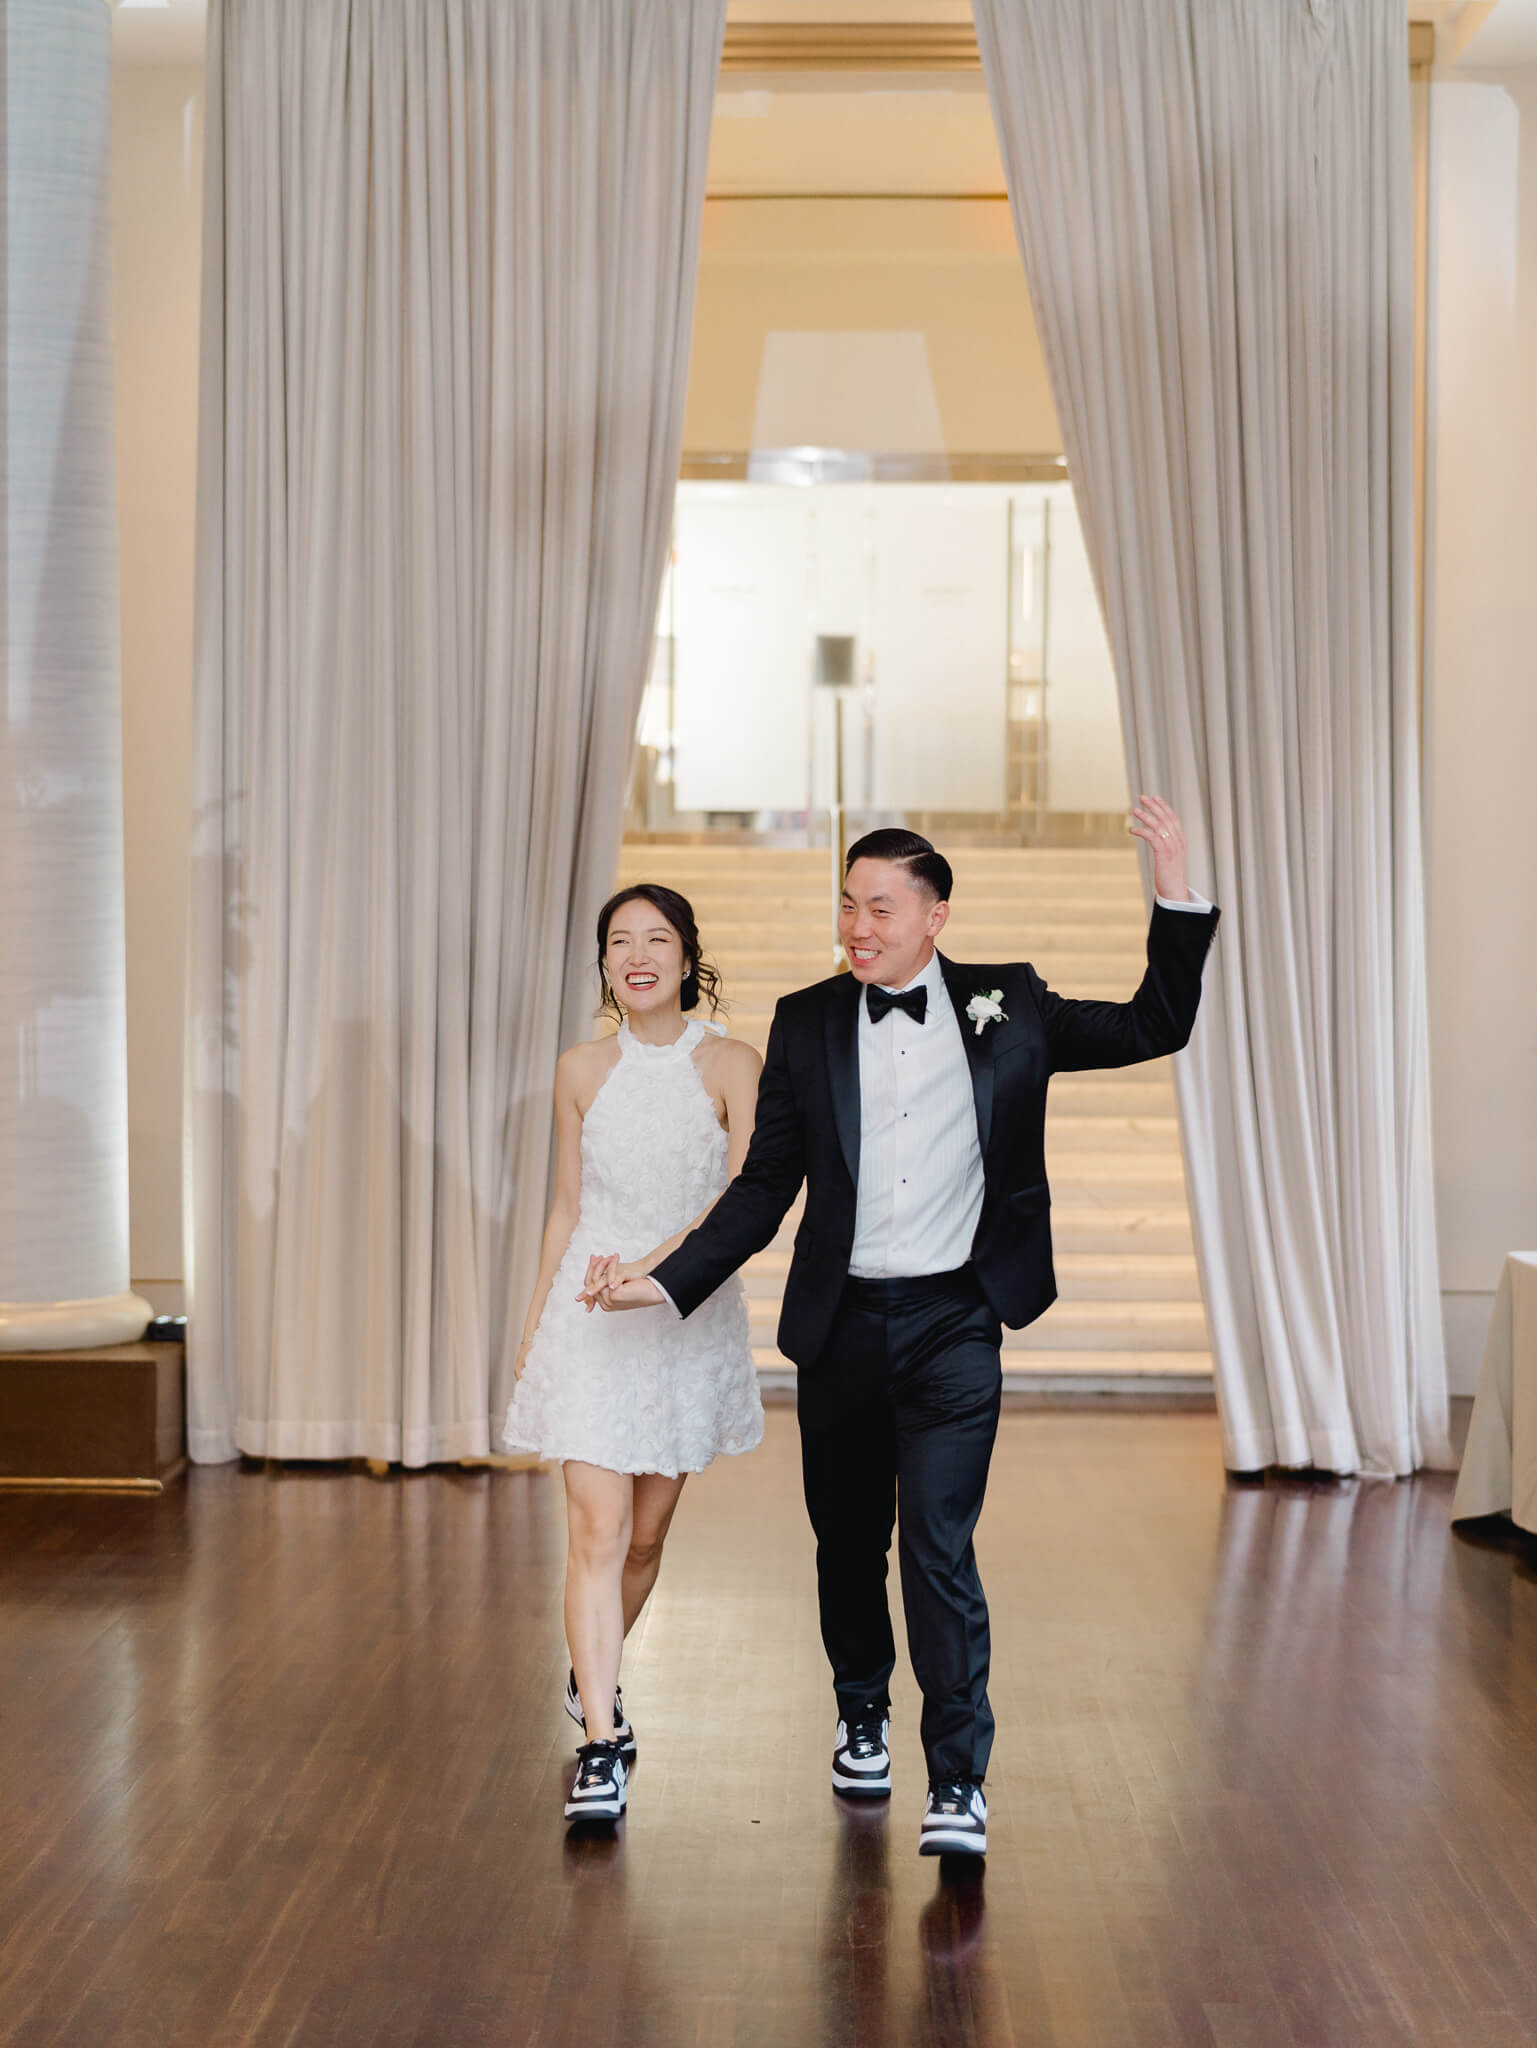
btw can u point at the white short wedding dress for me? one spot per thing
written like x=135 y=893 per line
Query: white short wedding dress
x=641 y=1391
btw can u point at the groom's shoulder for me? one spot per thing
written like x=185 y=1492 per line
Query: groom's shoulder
x=988 y=974
x=812 y=1001
x=807 y=1009
x=1014 y=981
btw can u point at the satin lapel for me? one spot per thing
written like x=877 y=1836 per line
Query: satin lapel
x=963 y=984
x=842 y=1026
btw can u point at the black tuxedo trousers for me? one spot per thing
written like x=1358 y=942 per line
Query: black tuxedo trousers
x=909 y=1442
x=898 y=1392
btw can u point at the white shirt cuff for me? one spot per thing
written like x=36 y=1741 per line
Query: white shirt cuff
x=661 y=1290
x=1193 y=902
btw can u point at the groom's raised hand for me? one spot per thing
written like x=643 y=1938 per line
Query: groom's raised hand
x=1158 y=823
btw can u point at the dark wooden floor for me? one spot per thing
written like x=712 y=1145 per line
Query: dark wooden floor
x=282 y=1756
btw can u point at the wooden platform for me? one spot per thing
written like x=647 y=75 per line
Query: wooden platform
x=284 y=1757
x=111 y=1416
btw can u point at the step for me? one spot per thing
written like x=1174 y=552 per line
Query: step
x=1110 y=1227
x=1127 y=1276
x=1116 y=1092
x=1147 y=1090
x=1107 y=1192
x=712 y=850
x=1109 y=1373
x=1074 y=1326
x=751 y=1020
x=1081 y=1276
x=1112 y=1137
x=1023 y=1372
x=772 y=946
x=1114 y=1326
x=1019 y=894
x=1087 y=1227
x=1009 y=893
x=798 y=869
x=979 y=932
x=975 y=909
x=759 y=980
x=1040 y=920
x=1160 y=1183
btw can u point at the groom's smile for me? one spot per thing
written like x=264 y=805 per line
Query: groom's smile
x=888 y=921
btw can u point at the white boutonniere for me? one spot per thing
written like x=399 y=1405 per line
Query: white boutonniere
x=984 y=1009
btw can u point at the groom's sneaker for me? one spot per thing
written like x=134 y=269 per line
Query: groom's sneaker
x=598 y=1790
x=955 y=1820
x=624 y=1734
x=862 y=1756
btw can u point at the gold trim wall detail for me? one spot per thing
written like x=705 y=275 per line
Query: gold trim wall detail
x=901 y=46
x=850 y=46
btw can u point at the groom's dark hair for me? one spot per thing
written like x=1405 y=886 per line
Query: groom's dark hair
x=910 y=850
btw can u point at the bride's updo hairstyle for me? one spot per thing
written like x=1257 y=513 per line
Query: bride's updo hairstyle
x=699 y=978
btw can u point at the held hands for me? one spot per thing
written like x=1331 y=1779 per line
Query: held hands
x=611 y=1285
x=1158 y=823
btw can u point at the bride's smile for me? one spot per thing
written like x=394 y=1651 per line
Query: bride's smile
x=645 y=963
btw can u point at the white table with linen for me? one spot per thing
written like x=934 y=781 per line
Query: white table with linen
x=1499 y=1465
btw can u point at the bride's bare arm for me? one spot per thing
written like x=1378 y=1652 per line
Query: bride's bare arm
x=737 y=1078
x=568 y=1190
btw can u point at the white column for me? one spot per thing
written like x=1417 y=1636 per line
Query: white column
x=63 y=1078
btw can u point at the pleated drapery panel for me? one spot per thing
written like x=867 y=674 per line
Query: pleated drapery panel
x=448 y=280
x=1213 y=205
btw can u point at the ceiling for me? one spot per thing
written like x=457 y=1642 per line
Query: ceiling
x=159 y=35
x=1471 y=34
x=1484 y=37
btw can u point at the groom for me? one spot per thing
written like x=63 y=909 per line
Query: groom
x=910 y=1097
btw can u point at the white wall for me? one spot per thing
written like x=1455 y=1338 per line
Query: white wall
x=1481 y=688
x=156 y=223
x=1085 y=756
x=947 y=271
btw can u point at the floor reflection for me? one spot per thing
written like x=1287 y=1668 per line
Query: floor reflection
x=960 y=1990
x=854 y=1949
x=870 y=1993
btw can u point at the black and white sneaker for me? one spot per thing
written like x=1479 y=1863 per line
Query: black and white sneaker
x=862 y=1756
x=955 y=1820
x=624 y=1734
x=598 y=1789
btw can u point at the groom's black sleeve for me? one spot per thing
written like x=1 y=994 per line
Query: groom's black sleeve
x=754 y=1204
x=1159 y=1017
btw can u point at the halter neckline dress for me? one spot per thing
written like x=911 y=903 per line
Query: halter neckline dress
x=641 y=1391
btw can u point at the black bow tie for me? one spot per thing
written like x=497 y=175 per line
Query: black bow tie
x=913 y=1000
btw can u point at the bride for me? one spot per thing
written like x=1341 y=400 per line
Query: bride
x=651 y=1125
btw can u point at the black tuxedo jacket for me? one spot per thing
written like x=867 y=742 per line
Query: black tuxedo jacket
x=808 y=1125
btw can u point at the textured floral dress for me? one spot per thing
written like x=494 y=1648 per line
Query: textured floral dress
x=641 y=1391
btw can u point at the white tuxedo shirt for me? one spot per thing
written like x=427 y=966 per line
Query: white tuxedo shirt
x=920 y=1166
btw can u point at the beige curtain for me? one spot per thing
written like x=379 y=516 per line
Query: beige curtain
x=1213 y=204
x=448 y=281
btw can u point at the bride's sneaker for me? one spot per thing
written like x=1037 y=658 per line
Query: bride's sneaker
x=862 y=1756
x=955 y=1821
x=624 y=1734
x=598 y=1789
